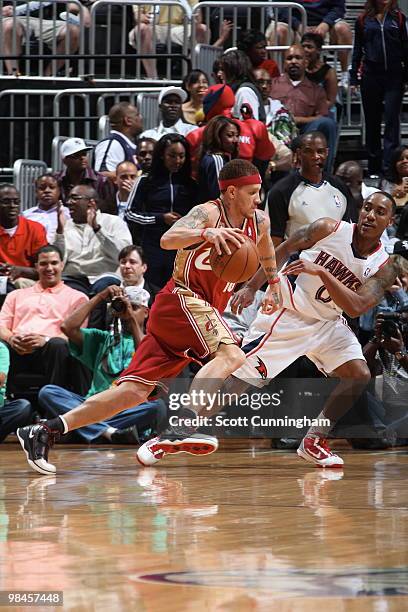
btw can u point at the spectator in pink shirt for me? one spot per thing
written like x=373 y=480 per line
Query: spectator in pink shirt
x=31 y=318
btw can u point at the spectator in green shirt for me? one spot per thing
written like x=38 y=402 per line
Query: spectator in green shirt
x=16 y=413
x=106 y=354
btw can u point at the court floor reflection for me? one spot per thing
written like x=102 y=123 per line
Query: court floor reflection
x=243 y=529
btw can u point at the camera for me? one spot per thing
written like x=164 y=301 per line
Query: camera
x=118 y=305
x=393 y=322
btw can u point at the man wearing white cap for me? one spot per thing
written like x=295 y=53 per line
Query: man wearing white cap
x=106 y=353
x=74 y=154
x=170 y=101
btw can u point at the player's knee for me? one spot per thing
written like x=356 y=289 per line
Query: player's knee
x=360 y=373
x=232 y=358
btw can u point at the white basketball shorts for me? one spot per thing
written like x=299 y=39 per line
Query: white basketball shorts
x=275 y=341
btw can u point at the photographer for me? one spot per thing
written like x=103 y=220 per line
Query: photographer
x=106 y=354
x=386 y=354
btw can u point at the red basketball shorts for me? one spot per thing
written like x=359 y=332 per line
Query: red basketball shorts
x=181 y=328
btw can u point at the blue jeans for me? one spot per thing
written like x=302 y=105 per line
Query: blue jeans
x=56 y=400
x=14 y=414
x=328 y=127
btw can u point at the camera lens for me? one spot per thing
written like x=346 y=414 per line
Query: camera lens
x=118 y=305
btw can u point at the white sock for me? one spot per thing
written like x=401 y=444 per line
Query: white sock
x=108 y=432
x=65 y=424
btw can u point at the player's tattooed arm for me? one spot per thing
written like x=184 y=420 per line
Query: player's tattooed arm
x=272 y=299
x=188 y=229
x=266 y=249
x=353 y=303
x=373 y=291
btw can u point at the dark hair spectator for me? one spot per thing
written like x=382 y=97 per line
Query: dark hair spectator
x=49 y=248
x=162 y=197
x=196 y=85
x=218 y=72
x=396 y=181
x=253 y=44
x=220 y=144
x=237 y=69
x=144 y=153
x=48 y=196
x=128 y=250
x=317 y=70
x=380 y=56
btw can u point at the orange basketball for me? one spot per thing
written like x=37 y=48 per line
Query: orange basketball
x=238 y=267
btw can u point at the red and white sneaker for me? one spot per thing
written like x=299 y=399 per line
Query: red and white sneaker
x=315 y=449
x=170 y=443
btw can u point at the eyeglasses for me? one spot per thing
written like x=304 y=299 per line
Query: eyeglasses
x=7 y=201
x=76 y=198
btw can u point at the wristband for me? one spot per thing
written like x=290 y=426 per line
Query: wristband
x=274 y=281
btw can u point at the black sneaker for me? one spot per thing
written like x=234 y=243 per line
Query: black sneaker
x=36 y=441
x=130 y=435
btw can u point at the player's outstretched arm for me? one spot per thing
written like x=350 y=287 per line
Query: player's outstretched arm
x=354 y=303
x=304 y=238
x=198 y=226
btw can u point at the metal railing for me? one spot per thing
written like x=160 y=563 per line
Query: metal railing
x=30 y=118
x=25 y=171
x=108 y=41
x=118 y=32
x=204 y=56
x=46 y=39
x=244 y=15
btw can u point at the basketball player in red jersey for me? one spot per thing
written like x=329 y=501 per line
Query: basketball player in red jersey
x=184 y=323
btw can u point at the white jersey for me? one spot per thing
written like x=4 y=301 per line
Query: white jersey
x=335 y=253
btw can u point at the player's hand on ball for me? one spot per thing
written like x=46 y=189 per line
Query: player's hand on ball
x=241 y=299
x=301 y=266
x=218 y=236
x=272 y=300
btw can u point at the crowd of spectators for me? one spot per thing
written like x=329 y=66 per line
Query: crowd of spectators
x=93 y=237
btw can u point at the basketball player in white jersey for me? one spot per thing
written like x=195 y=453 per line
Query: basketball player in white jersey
x=342 y=267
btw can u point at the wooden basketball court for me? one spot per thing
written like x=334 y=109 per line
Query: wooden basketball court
x=246 y=528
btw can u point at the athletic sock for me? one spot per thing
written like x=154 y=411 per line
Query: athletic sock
x=321 y=431
x=58 y=424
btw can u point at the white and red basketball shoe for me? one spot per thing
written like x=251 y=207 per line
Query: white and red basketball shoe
x=173 y=441
x=315 y=449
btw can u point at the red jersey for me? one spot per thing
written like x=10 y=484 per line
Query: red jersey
x=192 y=268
